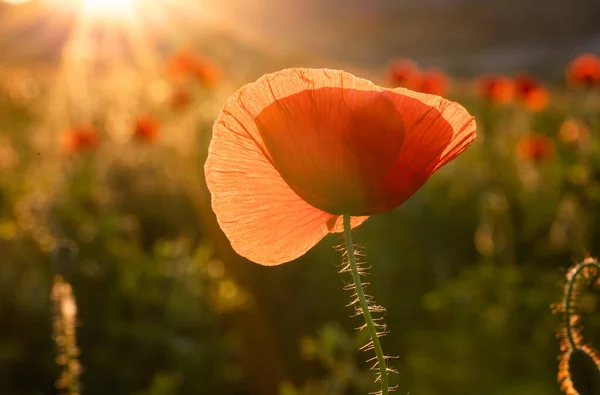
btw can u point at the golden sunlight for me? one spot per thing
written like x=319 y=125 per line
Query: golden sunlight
x=16 y=1
x=98 y=9
x=106 y=7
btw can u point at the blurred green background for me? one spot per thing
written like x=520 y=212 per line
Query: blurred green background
x=469 y=269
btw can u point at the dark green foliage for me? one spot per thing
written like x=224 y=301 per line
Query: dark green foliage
x=468 y=270
x=584 y=372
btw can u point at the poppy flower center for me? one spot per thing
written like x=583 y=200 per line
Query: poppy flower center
x=333 y=146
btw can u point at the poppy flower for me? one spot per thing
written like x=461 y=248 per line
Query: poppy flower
x=179 y=64
x=535 y=148
x=80 y=138
x=584 y=71
x=531 y=93
x=185 y=64
x=404 y=73
x=497 y=89
x=206 y=72
x=180 y=99
x=146 y=128
x=295 y=150
x=433 y=82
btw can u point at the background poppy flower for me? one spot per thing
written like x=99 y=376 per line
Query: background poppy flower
x=584 y=71
x=497 y=89
x=180 y=99
x=535 y=147
x=404 y=73
x=433 y=82
x=536 y=100
x=80 y=138
x=185 y=64
x=531 y=93
x=146 y=128
x=294 y=150
x=180 y=64
x=206 y=72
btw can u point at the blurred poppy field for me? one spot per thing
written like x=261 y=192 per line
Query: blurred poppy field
x=116 y=278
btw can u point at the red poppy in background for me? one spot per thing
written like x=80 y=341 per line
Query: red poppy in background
x=180 y=65
x=404 y=73
x=584 y=71
x=535 y=148
x=180 y=99
x=206 y=72
x=433 y=82
x=295 y=150
x=80 y=138
x=146 y=128
x=531 y=92
x=497 y=89
x=185 y=64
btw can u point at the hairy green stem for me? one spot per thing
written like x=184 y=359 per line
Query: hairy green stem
x=568 y=296
x=365 y=306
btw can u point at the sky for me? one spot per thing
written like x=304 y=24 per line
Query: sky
x=463 y=36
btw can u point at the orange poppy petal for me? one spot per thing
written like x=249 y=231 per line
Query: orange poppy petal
x=338 y=225
x=333 y=145
x=262 y=217
x=331 y=135
x=436 y=131
x=265 y=220
x=297 y=148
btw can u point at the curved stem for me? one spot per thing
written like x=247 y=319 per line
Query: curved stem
x=569 y=294
x=365 y=306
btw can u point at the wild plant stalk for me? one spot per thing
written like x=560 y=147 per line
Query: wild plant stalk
x=579 y=369
x=364 y=305
x=569 y=300
x=65 y=316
